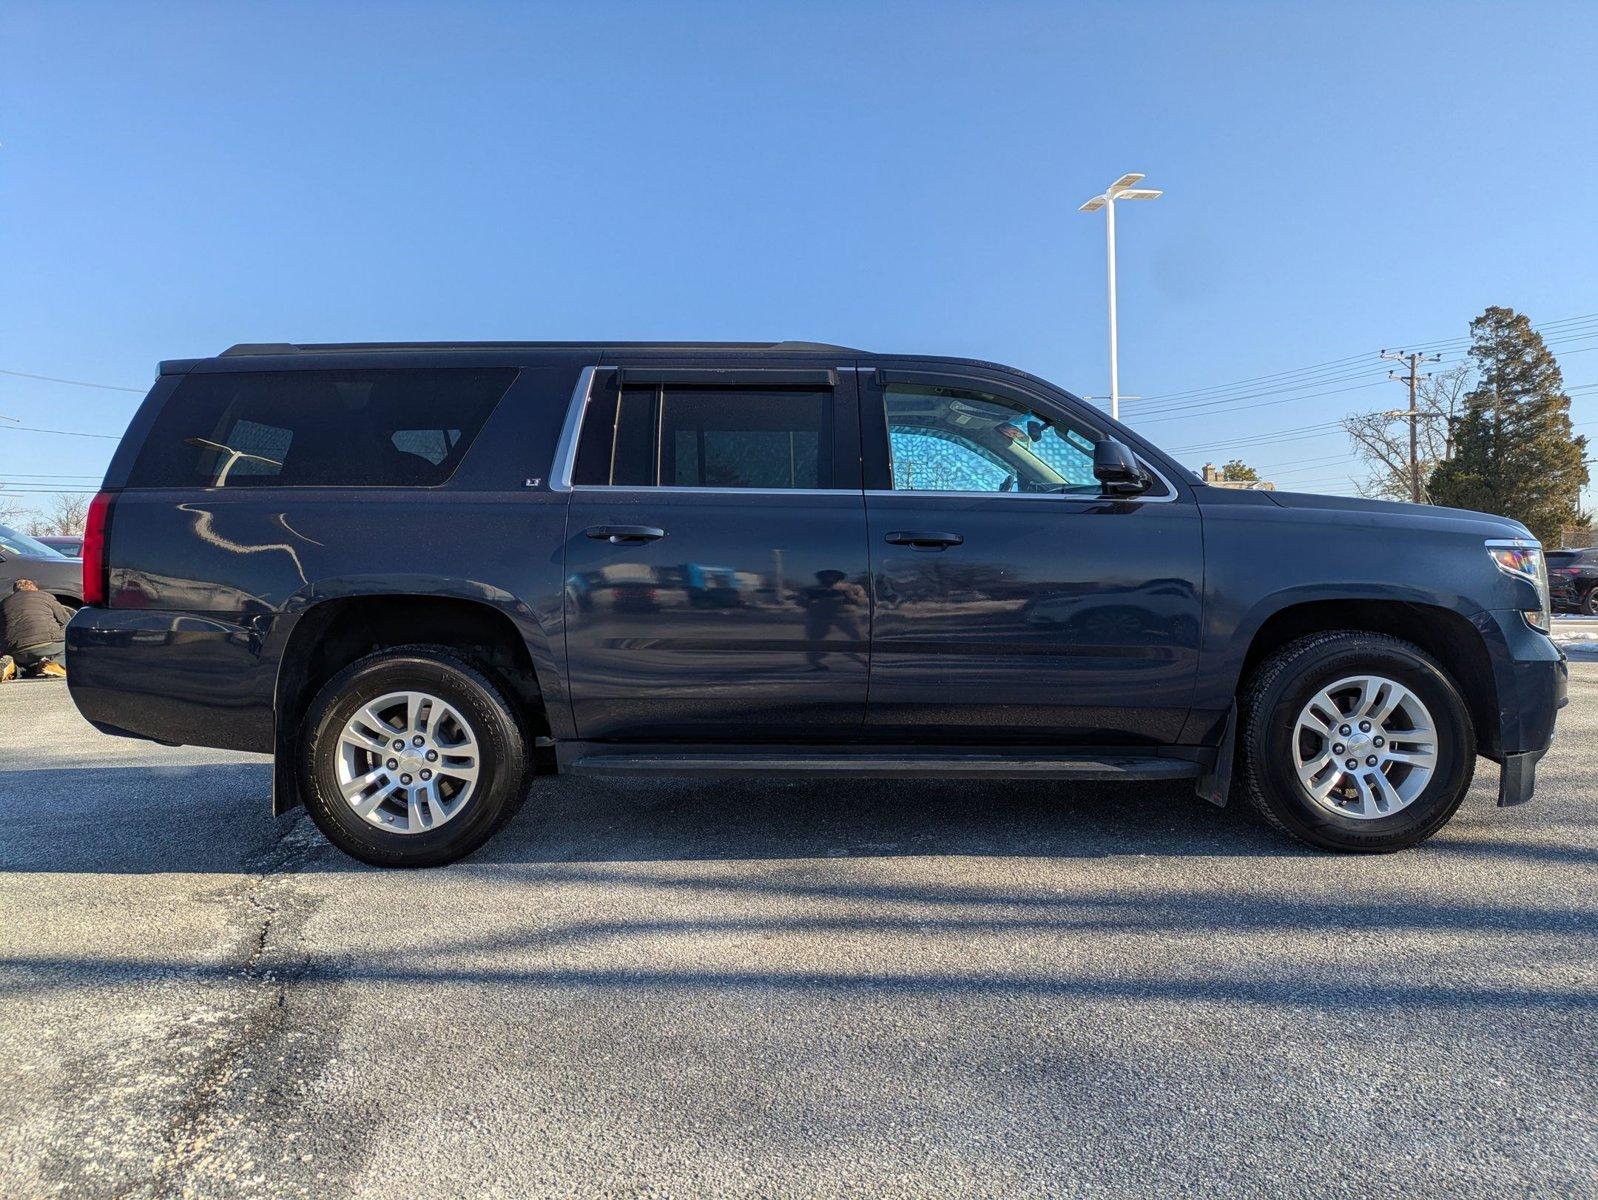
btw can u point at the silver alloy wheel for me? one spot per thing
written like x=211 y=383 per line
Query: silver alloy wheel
x=407 y=762
x=1365 y=747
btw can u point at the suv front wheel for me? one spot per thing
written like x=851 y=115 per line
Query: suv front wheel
x=412 y=757
x=1355 y=741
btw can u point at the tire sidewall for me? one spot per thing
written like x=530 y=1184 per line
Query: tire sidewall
x=457 y=684
x=1281 y=705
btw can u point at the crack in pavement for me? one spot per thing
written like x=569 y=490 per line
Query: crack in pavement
x=201 y=1120
x=198 y=1084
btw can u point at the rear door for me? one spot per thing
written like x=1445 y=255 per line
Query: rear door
x=716 y=565
x=1012 y=601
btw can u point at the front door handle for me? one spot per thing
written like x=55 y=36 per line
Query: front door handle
x=618 y=535
x=923 y=539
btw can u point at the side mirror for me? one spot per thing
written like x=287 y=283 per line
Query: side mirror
x=1116 y=469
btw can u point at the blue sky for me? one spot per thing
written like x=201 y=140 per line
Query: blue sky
x=178 y=177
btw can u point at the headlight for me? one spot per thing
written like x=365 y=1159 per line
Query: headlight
x=1523 y=559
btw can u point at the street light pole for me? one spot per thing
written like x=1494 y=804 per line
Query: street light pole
x=1121 y=189
x=1115 y=356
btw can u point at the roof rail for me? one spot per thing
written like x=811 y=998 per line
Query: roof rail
x=245 y=349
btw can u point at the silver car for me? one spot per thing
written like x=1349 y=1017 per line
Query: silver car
x=24 y=557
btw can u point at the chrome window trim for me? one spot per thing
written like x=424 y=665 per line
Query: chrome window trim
x=671 y=490
x=560 y=474
x=1099 y=499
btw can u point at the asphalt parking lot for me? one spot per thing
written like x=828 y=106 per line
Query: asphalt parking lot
x=672 y=989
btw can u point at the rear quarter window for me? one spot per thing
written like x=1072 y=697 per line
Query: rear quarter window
x=370 y=428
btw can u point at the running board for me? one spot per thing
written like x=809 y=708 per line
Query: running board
x=1025 y=765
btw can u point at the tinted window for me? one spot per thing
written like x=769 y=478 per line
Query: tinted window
x=386 y=428
x=707 y=438
x=953 y=440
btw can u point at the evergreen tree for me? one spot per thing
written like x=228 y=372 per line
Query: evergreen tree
x=1514 y=453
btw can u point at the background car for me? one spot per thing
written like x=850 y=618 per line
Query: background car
x=1573 y=580
x=70 y=545
x=24 y=557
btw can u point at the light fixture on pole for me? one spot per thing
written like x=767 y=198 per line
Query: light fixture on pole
x=1121 y=189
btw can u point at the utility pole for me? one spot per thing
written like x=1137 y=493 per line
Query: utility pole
x=1412 y=378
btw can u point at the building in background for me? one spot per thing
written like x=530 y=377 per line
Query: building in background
x=1215 y=477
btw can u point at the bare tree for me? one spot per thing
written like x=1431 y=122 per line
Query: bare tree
x=65 y=517
x=12 y=510
x=1381 y=439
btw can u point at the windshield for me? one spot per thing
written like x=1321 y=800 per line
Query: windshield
x=21 y=543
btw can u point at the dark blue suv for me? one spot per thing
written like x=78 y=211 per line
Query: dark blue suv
x=423 y=575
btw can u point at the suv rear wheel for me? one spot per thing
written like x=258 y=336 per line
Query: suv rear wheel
x=412 y=758
x=1355 y=741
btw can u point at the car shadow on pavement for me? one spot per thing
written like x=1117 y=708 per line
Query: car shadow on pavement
x=643 y=820
x=217 y=818
x=614 y=836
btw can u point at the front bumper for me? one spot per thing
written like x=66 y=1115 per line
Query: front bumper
x=1532 y=681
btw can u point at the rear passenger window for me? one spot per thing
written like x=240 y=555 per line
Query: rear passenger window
x=661 y=436
x=382 y=428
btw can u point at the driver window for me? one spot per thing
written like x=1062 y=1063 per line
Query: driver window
x=954 y=440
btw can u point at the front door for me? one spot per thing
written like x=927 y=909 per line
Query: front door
x=716 y=565
x=1012 y=601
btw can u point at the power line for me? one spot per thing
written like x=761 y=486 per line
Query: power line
x=1272 y=435
x=1170 y=411
x=110 y=437
x=1563 y=331
x=109 y=387
x=1183 y=413
x=53 y=475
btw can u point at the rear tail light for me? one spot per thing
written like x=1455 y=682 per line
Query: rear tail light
x=94 y=559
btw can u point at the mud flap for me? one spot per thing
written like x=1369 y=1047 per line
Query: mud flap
x=285 y=781
x=1517 y=778
x=1216 y=786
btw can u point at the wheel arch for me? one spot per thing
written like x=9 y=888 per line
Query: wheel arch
x=1445 y=634
x=332 y=633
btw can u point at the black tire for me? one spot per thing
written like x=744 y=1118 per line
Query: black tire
x=503 y=777
x=1272 y=700
x=1589 y=601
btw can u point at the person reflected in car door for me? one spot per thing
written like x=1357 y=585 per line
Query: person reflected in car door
x=832 y=604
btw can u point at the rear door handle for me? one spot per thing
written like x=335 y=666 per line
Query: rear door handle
x=617 y=535
x=923 y=539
